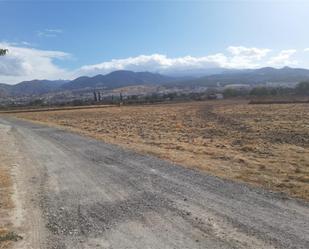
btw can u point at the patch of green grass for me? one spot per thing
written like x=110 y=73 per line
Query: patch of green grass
x=10 y=236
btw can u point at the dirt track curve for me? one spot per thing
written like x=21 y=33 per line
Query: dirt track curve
x=76 y=192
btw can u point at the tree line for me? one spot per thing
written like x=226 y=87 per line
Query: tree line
x=302 y=89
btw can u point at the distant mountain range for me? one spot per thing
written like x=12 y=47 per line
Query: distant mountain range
x=124 y=78
x=251 y=77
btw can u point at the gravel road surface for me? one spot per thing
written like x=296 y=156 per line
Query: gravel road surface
x=77 y=192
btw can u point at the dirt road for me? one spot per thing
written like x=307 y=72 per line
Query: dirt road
x=76 y=192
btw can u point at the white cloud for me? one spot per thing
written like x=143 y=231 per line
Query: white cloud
x=244 y=57
x=24 y=43
x=283 y=58
x=240 y=57
x=254 y=53
x=23 y=63
x=49 y=32
x=154 y=63
x=306 y=49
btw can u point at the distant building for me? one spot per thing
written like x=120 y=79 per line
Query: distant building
x=219 y=96
x=237 y=86
x=215 y=96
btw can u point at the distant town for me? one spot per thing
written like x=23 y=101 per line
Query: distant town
x=144 y=87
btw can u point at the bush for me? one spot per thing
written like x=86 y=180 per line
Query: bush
x=260 y=91
x=234 y=92
x=36 y=102
x=303 y=88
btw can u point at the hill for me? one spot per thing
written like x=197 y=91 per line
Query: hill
x=118 y=79
x=28 y=88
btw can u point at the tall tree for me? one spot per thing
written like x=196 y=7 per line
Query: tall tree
x=3 y=51
x=95 y=96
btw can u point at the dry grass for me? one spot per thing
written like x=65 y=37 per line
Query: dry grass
x=5 y=187
x=4 y=244
x=264 y=145
x=5 y=203
x=7 y=234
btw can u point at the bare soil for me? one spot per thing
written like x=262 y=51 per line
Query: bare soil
x=72 y=191
x=264 y=145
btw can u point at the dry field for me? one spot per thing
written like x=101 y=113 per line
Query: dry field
x=264 y=145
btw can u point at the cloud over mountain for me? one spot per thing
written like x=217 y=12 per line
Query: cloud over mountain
x=26 y=63
x=237 y=57
x=284 y=58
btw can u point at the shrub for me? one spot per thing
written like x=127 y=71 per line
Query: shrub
x=303 y=88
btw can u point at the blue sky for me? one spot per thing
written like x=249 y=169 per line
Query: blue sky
x=65 y=39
